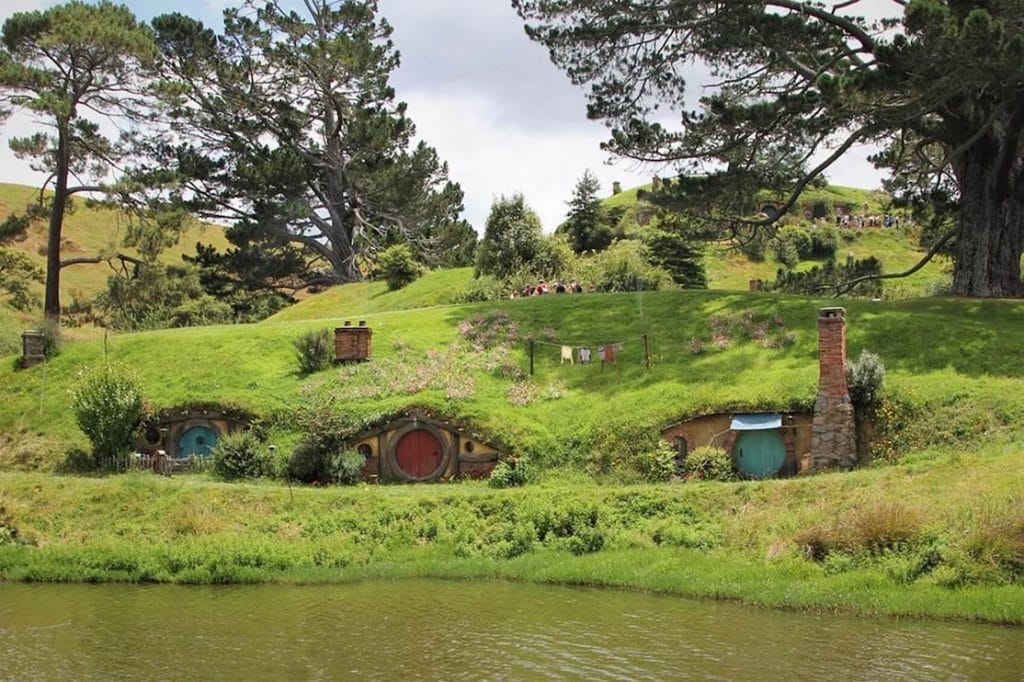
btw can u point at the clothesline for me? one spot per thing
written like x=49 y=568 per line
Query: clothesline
x=607 y=353
x=559 y=344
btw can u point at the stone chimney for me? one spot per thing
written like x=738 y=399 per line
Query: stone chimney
x=833 y=437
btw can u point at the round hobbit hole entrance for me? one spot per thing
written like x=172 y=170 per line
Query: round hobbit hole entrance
x=760 y=454
x=419 y=454
x=197 y=440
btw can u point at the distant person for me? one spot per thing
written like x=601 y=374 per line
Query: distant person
x=559 y=288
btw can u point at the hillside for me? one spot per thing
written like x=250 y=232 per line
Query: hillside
x=88 y=232
x=897 y=249
x=936 y=533
x=946 y=361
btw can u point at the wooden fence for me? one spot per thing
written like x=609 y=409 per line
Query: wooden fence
x=159 y=463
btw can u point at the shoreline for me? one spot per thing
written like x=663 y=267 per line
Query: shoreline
x=737 y=541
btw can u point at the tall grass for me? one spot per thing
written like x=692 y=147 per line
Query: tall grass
x=941 y=539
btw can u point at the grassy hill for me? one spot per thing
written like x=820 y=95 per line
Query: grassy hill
x=939 y=533
x=897 y=249
x=945 y=360
x=89 y=232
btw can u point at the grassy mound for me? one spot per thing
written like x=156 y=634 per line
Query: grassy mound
x=949 y=374
x=938 y=535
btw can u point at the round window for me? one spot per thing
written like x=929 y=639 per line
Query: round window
x=470 y=446
x=365 y=450
x=152 y=436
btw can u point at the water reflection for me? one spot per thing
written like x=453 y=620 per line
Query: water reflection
x=431 y=630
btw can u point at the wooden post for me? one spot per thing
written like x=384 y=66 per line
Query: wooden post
x=531 y=357
x=647 y=353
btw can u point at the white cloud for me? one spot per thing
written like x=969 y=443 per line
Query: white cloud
x=488 y=159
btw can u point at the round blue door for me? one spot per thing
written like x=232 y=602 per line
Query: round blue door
x=760 y=454
x=198 y=440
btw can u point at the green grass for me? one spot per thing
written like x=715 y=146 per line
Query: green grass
x=347 y=301
x=946 y=359
x=738 y=541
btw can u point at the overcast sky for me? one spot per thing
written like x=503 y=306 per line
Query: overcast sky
x=502 y=116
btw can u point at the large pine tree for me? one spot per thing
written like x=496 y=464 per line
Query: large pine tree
x=287 y=121
x=72 y=66
x=939 y=83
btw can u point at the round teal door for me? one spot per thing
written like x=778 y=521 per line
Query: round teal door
x=198 y=440
x=760 y=454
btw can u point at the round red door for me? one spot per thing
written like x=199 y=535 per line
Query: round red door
x=418 y=454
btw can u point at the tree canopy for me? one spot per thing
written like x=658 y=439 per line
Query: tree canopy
x=586 y=225
x=793 y=86
x=287 y=121
x=512 y=238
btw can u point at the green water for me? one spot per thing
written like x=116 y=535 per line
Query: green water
x=450 y=630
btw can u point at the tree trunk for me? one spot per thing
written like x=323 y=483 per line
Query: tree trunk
x=991 y=239
x=51 y=305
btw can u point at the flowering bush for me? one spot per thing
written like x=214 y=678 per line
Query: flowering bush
x=748 y=326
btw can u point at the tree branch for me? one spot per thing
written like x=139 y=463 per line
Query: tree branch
x=846 y=287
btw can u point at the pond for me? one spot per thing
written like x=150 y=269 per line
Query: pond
x=473 y=630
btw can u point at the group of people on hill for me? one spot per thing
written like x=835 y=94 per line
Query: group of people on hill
x=888 y=220
x=542 y=287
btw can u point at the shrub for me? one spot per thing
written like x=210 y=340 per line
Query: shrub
x=204 y=310
x=824 y=243
x=108 y=407
x=241 y=455
x=626 y=266
x=754 y=248
x=314 y=350
x=509 y=474
x=397 y=265
x=346 y=467
x=865 y=378
x=709 y=464
x=821 y=209
x=479 y=289
x=658 y=464
x=786 y=253
x=53 y=338
x=308 y=464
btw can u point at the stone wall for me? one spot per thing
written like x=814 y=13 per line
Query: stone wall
x=833 y=436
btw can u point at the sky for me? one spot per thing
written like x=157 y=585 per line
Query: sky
x=479 y=91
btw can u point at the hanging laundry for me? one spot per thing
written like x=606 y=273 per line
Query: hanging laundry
x=600 y=353
x=584 y=355
x=609 y=354
x=617 y=347
x=567 y=355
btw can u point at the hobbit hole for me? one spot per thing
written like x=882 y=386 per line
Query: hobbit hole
x=181 y=434
x=419 y=448
x=767 y=445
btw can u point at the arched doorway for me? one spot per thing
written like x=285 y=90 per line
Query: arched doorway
x=760 y=454
x=419 y=454
x=197 y=440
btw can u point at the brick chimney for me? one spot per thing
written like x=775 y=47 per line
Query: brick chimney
x=33 y=348
x=352 y=344
x=833 y=438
